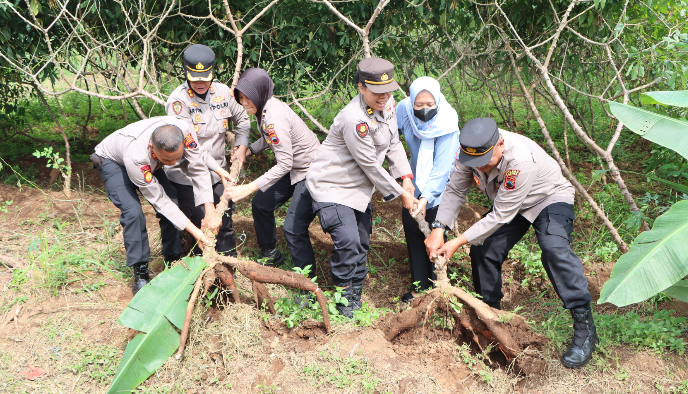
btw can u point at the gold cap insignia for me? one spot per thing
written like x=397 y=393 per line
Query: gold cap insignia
x=470 y=150
x=199 y=66
x=384 y=77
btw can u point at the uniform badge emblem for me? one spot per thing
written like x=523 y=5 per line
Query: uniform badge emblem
x=147 y=174
x=223 y=113
x=470 y=150
x=194 y=105
x=224 y=124
x=477 y=180
x=218 y=99
x=212 y=89
x=197 y=118
x=362 y=129
x=373 y=123
x=384 y=77
x=510 y=179
x=196 y=128
x=270 y=129
x=189 y=142
x=199 y=66
x=389 y=107
x=154 y=156
x=369 y=111
x=190 y=93
x=177 y=107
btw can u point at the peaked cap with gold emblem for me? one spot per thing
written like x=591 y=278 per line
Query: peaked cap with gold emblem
x=477 y=139
x=198 y=63
x=377 y=74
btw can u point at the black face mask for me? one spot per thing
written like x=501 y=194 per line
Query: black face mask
x=425 y=114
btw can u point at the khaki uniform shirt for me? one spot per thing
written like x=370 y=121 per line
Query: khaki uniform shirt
x=210 y=120
x=293 y=143
x=348 y=167
x=525 y=181
x=129 y=147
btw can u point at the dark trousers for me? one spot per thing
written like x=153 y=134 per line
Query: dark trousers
x=553 y=227
x=299 y=216
x=225 y=240
x=350 y=231
x=123 y=193
x=422 y=269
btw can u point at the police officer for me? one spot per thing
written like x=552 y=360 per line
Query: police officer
x=206 y=105
x=132 y=159
x=348 y=168
x=528 y=189
x=294 y=146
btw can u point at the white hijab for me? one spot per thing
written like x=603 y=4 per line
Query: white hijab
x=446 y=121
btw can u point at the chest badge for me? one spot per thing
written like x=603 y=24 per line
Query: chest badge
x=194 y=105
x=196 y=128
x=223 y=113
x=510 y=179
x=197 y=118
x=362 y=129
x=224 y=124
x=189 y=142
x=218 y=99
x=147 y=174
x=177 y=107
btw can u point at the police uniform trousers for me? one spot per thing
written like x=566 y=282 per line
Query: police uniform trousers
x=422 y=269
x=553 y=227
x=225 y=240
x=123 y=193
x=299 y=216
x=350 y=231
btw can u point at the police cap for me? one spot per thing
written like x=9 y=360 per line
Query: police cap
x=198 y=63
x=477 y=138
x=377 y=74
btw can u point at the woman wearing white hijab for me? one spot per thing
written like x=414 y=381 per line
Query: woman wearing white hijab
x=431 y=128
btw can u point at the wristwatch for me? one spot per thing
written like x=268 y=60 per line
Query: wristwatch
x=438 y=224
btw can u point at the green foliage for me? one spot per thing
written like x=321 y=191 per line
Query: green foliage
x=349 y=373
x=658 y=332
x=156 y=310
x=98 y=362
x=530 y=257
x=54 y=159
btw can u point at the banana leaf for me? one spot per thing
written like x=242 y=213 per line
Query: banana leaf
x=660 y=129
x=656 y=260
x=679 y=291
x=677 y=98
x=156 y=310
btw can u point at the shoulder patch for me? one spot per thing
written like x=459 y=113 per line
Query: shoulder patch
x=189 y=142
x=218 y=99
x=270 y=130
x=147 y=173
x=510 y=179
x=362 y=129
x=177 y=107
x=190 y=92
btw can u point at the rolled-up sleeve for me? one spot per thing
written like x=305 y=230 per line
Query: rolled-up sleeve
x=155 y=194
x=362 y=150
x=197 y=169
x=517 y=183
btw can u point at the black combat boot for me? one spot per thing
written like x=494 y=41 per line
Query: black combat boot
x=141 y=277
x=584 y=338
x=269 y=255
x=495 y=305
x=168 y=260
x=353 y=295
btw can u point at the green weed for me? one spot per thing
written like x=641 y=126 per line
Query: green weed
x=99 y=362
x=529 y=256
x=349 y=373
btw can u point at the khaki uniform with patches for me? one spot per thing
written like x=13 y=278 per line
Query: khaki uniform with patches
x=129 y=147
x=293 y=143
x=210 y=120
x=525 y=181
x=348 y=167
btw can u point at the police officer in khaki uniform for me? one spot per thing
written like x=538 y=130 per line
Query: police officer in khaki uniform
x=208 y=106
x=348 y=168
x=131 y=159
x=528 y=189
x=294 y=146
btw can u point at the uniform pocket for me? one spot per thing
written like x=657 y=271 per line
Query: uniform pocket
x=329 y=218
x=561 y=218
